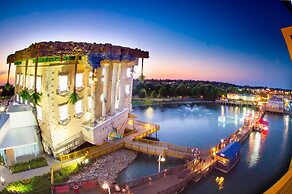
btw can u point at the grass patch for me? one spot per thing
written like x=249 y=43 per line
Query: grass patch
x=60 y=176
x=37 y=184
x=32 y=164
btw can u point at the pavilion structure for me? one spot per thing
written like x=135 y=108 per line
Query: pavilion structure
x=100 y=76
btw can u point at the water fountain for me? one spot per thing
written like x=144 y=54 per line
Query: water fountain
x=190 y=108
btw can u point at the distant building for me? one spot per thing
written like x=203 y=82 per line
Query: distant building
x=103 y=83
x=243 y=97
x=275 y=104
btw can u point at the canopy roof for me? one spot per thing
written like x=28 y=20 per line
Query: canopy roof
x=230 y=150
x=44 y=49
x=19 y=137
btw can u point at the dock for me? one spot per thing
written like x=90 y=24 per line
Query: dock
x=170 y=180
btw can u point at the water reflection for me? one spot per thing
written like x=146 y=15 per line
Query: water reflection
x=286 y=127
x=222 y=118
x=254 y=149
x=149 y=112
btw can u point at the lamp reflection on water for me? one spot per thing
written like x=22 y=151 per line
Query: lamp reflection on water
x=254 y=149
x=149 y=112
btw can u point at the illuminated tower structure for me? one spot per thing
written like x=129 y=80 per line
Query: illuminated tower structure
x=103 y=78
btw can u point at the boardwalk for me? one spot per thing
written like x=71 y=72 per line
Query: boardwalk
x=174 y=179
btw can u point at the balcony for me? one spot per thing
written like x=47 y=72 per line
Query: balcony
x=96 y=133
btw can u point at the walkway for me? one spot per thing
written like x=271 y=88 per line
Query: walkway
x=9 y=177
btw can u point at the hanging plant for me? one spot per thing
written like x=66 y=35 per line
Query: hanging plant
x=24 y=94
x=73 y=98
x=35 y=98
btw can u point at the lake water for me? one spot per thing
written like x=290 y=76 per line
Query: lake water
x=265 y=158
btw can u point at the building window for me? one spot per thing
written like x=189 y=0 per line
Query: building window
x=20 y=79
x=127 y=89
x=90 y=78
x=63 y=110
x=78 y=107
x=63 y=83
x=79 y=80
x=31 y=82
x=39 y=113
x=17 y=79
x=129 y=74
x=89 y=101
x=39 y=83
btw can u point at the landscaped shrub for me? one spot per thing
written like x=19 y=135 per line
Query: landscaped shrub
x=41 y=184
x=35 y=185
x=61 y=175
x=34 y=163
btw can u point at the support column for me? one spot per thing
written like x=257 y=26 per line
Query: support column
x=122 y=86
x=118 y=98
x=114 y=87
x=97 y=89
x=109 y=89
x=105 y=85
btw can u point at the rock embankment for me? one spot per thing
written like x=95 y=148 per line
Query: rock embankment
x=106 y=168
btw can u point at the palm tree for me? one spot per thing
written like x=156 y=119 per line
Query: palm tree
x=73 y=97
x=35 y=99
x=7 y=85
x=142 y=77
x=24 y=94
x=25 y=73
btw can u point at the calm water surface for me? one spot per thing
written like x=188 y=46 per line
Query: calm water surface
x=265 y=158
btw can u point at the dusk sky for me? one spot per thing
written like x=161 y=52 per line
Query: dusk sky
x=232 y=41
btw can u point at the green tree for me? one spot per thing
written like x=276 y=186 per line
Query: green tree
x=142 y=93
x=35 y=98
x=162 y=92
x=153 y=94
x=24 y=94
x=172 y=91
x=7 y=85
x=73 y=97
x=181 y=90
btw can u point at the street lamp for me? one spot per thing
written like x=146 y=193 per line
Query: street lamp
x=105 y=185
x=2 y=180
x=160 y=159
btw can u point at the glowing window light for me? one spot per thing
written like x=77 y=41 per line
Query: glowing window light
x=39 y=83
x=63 y=83
x=31 y=82
x=20 y=79
x=89 y=101
x=127 y=89
x=78 y=107
x=63 y=111
x=39 y=113
x=79 y=80
x=17 y=79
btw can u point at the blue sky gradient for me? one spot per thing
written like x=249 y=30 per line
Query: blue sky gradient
x=231 y=41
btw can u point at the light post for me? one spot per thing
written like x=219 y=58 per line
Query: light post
x=160 y=159
x=2 y=180
x=105 y=185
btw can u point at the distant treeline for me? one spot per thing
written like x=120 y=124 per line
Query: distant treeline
x=184 y=88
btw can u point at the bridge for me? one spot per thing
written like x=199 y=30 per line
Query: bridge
x=170 y=180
